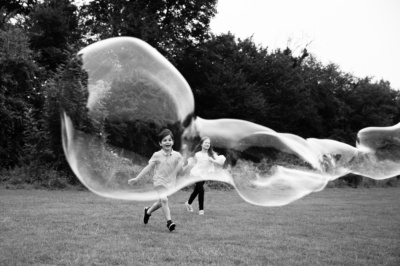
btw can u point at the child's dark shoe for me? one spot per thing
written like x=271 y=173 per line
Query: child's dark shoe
x=171 y=226
x=146 y=216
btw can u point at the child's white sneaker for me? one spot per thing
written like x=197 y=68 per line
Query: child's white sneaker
x=188 y=207
x=201 y=212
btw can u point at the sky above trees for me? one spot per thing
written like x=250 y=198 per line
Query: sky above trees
x=361 y=36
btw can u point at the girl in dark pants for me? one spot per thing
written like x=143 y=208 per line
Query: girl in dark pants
x=198 y=191
x=203 y=165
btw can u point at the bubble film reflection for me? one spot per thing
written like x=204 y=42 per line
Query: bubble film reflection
x=273 y=169
x=134 y=92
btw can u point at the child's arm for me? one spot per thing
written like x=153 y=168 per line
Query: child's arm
x=220 y=159
x=145 y=170
x=184 y=164
x=192 y=161
x=181 y=167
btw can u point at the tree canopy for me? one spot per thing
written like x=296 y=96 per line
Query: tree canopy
x=229 y=77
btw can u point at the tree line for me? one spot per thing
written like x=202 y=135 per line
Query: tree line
x=229 y=77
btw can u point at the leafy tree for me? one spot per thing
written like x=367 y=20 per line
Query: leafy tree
x=66 y=92
x=168 y=25
x=285 y=87
x=15 y=8
x=220 y=83
x=18 y=86
x=237 y=79
x=324 y=83
x=347 y=104
x=53 y=27
x=136 y=112
x=372 y=104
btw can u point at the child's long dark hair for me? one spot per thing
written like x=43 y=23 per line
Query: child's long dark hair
x=210 y=150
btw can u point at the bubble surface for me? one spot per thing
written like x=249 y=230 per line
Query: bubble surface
x=134 y=92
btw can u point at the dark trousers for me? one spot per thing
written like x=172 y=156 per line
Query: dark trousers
x=198 y=190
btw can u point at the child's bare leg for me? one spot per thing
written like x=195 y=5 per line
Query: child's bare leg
x=165 y=208
x=154 y=207
x=163 y=194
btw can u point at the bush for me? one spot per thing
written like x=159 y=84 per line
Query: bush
x=16 y=175
x=337 y=183
x=37 y=176
x=363 y=182
x=219 y=185
x=370 y=183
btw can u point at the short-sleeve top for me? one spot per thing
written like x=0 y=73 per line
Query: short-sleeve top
x=166 y=167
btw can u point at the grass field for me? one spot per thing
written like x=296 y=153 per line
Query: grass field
x=332 y=227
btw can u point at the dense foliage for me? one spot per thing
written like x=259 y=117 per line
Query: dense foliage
x=229 y=77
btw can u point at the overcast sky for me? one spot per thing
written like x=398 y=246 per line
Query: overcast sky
x=361 y=36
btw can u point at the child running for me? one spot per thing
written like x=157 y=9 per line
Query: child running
x=203 y=161
x=166 y=164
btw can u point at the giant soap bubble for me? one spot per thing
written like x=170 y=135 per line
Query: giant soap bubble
x=134 y=92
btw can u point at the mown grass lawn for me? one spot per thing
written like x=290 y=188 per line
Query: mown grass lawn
x=331 y=227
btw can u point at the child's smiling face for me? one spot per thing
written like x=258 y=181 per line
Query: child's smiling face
x=166 y=143
x=206 y=144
